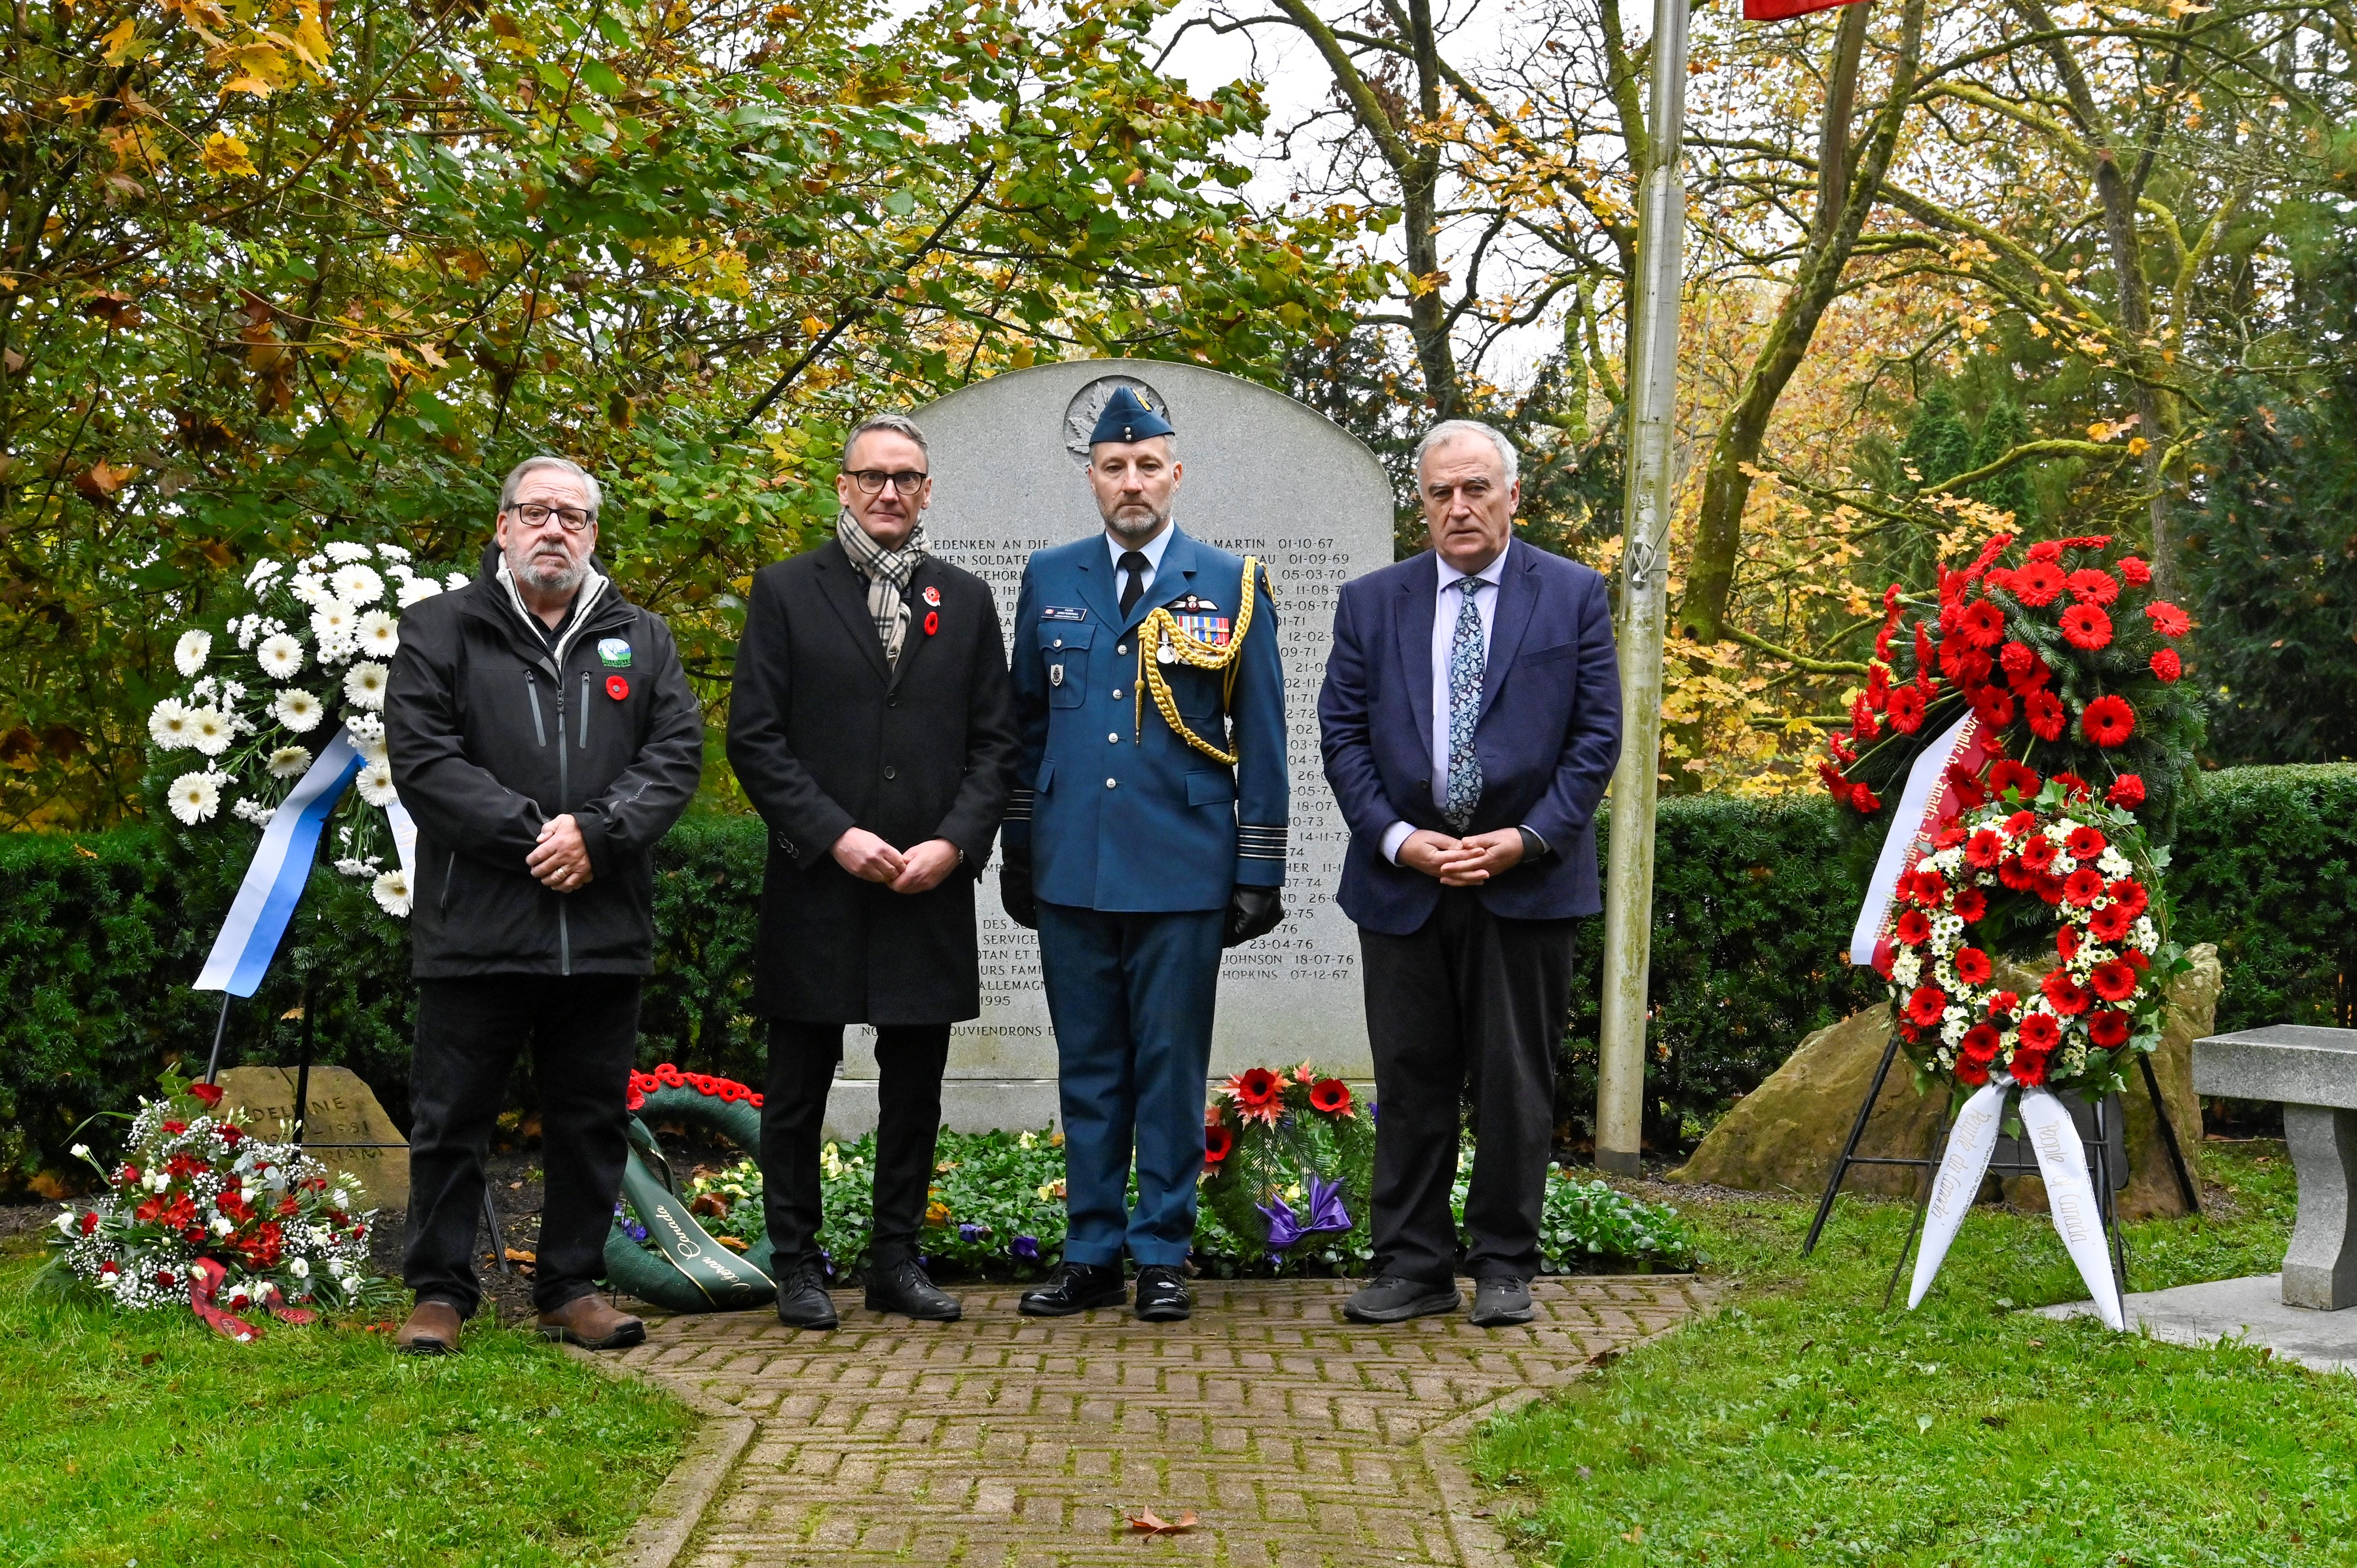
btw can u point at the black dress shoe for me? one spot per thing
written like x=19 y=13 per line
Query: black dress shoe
x=902 y=1287
x=1162 y=1294
x=803 y=1300
x=1388 y=1298
x=1077 y=1287
x=1500 y=1300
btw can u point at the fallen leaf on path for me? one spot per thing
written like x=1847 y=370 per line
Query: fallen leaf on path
x=1147 y=1523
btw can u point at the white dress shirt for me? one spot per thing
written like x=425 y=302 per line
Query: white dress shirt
x=1152 y=550
x=1445 y=609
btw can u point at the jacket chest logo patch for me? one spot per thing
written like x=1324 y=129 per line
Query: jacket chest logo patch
x=613 y=654
x=1062 y=612
x=934 y=597
x=616 y=688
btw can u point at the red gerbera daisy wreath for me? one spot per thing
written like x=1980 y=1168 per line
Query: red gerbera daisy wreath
x=2037 y=584
x=2109 y=721
x=2167 y=619
x=2077 y=871
x=2047 y=717
x=2086 y=627
x=2092 y=586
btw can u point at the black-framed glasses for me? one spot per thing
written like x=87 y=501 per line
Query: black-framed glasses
x=532 y=514
x=871 y=481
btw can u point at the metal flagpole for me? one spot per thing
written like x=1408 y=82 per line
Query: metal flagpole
x=1644 y=603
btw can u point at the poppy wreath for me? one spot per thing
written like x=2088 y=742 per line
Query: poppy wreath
x=2062 y=652
x=1288 y=1163
x=719 y=1107
x=2065 y=880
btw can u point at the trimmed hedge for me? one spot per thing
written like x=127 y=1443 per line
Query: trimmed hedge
x=1754 y=899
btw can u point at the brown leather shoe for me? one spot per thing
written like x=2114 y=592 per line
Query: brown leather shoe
x=588 y=1321
x=432 y=1330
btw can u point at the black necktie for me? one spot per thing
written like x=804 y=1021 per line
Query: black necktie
x=1134 y=562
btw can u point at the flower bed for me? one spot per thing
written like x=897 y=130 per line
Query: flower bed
x=997 y=1212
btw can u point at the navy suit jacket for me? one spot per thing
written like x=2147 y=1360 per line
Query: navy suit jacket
x=1548 y=735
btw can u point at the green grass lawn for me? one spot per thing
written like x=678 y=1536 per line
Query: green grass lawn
x=146 y=1438
x=1802 y=1423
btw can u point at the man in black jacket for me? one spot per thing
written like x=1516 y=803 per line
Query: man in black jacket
x=871 y=727
x=543 y=734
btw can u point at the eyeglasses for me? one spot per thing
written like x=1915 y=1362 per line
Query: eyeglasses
x=871 y=481
x=531 y=515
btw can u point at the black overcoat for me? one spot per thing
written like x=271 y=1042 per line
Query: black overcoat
x=825 y=737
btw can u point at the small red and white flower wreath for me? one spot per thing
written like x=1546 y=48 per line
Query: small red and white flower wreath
x=2083 y=872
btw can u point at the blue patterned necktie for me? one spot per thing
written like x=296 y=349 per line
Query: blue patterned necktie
x=1462 y=791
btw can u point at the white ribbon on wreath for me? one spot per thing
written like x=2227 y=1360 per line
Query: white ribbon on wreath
x=2061 y=1161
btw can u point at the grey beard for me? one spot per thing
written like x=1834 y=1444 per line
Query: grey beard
x=1131 y=533
x=535 y=569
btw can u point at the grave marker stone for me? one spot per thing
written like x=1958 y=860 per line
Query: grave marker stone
x=343 y=1110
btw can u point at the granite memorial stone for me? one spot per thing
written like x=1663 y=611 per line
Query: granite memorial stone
x=1266 y=477
x=343 y=1110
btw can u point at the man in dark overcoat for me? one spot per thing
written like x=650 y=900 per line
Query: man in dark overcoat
x=870 y=725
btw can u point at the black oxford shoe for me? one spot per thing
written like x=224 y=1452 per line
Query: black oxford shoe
x=903 y=1287
x=803 y=1300
x=1077 y=1287
x=1162 y=1294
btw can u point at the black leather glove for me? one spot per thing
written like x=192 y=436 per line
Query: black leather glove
x=1252 y=912
x=1015 y=895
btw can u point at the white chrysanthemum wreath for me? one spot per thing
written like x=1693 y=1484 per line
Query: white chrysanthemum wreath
x=312 y=650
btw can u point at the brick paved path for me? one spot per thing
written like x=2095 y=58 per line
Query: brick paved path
x=1298 y=1439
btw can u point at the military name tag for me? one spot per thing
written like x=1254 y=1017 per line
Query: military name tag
x=1061 y=612
x=613 y=654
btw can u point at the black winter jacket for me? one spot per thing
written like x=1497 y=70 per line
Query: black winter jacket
x=491 y=732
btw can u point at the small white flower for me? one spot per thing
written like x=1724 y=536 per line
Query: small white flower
x=350 y=867
x=371 y=747
x=375 y=784
x=279 y=656
x=364 y=685
x=221 y=1227
x=191 y=652
x=66 y=1223
x=379 y=634
x=262 y=571
x=2114 y=865
x=232 y=693
x=80 y=1151
x=357 y=584
x=253 y=811
x=288 y=761
x=365 y=727
x=415 y=590
x=308 y=589
x=299 y=710
x=202 y=691
x=343 y=551
x=168 y=726
x=392 y=891
x=455 y=580
x=392 y=553
x=298 y=1267
x=208 y=730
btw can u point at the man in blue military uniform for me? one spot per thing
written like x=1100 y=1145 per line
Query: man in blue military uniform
x=1147 y=833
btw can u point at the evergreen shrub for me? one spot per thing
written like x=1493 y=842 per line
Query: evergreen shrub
x=100 y=934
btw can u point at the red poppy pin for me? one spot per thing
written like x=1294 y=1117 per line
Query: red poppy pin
x=934 y=597
x=932 y=622
x=616 y=688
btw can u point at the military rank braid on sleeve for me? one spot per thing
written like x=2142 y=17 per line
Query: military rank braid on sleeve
x=1175 y=644
x=1258 y=843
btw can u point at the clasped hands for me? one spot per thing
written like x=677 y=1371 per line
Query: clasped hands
x=560 y=860
x=915 y=870
x=1462 y=863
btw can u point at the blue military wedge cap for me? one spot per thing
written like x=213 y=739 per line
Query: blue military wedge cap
x=1126 y=417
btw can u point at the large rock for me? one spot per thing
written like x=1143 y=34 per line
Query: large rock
x=1785 y=1135
x=343 y=1110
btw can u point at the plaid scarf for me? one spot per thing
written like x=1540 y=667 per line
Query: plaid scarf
x=887 y=573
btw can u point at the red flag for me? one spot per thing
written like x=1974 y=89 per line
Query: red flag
x=1777 y=10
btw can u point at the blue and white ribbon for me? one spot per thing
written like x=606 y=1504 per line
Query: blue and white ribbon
x=274 y=883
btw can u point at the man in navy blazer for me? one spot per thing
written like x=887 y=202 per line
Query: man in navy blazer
x=1471 y=719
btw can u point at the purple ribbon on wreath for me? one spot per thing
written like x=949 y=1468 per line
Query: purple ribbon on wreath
x=1326 y=1215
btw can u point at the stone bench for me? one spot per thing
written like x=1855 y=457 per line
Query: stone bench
x=2312 y=1072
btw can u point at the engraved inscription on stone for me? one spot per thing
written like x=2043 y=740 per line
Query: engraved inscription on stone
x=1264 y=476
x=343 y=1111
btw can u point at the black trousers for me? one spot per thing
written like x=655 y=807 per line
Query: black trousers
x=1469 y=1002
x=802 y=1058
x=584 y=1031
